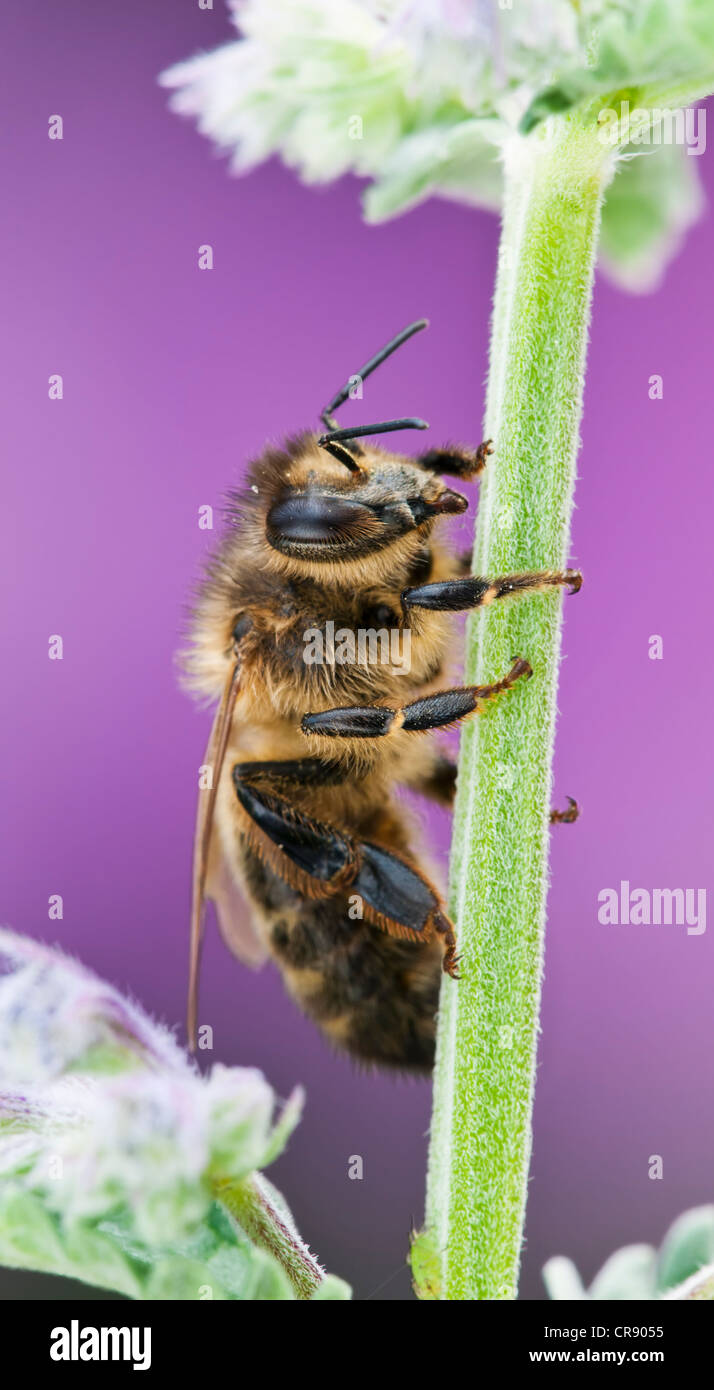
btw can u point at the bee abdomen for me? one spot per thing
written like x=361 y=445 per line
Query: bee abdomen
x=372 y=995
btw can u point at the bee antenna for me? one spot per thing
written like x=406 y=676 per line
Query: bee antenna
x=337 y=451
x=357 y=431
x=327 y=415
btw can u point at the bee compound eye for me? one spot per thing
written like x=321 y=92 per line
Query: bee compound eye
x=318 y=519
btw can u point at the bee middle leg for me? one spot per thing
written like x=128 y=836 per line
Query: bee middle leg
x=320 y=861
x=431 y=712
x=436 y=780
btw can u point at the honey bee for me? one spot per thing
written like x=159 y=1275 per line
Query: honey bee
x=299 y=818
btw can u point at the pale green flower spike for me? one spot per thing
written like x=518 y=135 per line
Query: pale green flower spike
x=420 y=98
x=682 y=1269
x=121 y=1165
x=565 y=115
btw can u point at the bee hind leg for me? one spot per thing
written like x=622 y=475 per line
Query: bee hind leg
x=400 y=900
x=320 y=861
x=438 y=782
x=317 y=860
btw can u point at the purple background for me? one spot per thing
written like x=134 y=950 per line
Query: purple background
x=172 y=378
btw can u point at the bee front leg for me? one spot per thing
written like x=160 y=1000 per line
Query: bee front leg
x=459 y=595
x=457 y=461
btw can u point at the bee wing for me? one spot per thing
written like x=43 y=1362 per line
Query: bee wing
x=235 y=917
x=214 y=756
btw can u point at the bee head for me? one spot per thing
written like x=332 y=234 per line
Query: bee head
x=339 y=505
x=319 y=511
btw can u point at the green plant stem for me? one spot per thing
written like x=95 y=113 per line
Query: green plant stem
x=255 y=1205
x=484 y=1079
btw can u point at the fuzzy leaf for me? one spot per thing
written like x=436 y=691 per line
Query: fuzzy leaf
x=683 y=1269
x=113 y=1148
x=421 y=99
x=457 y=161
x=331 y=1290
x=562 y=1280
x=699 y=1288
x=687 y=1246
x=649 y=207
x=653 y=43
x=629 y=1273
